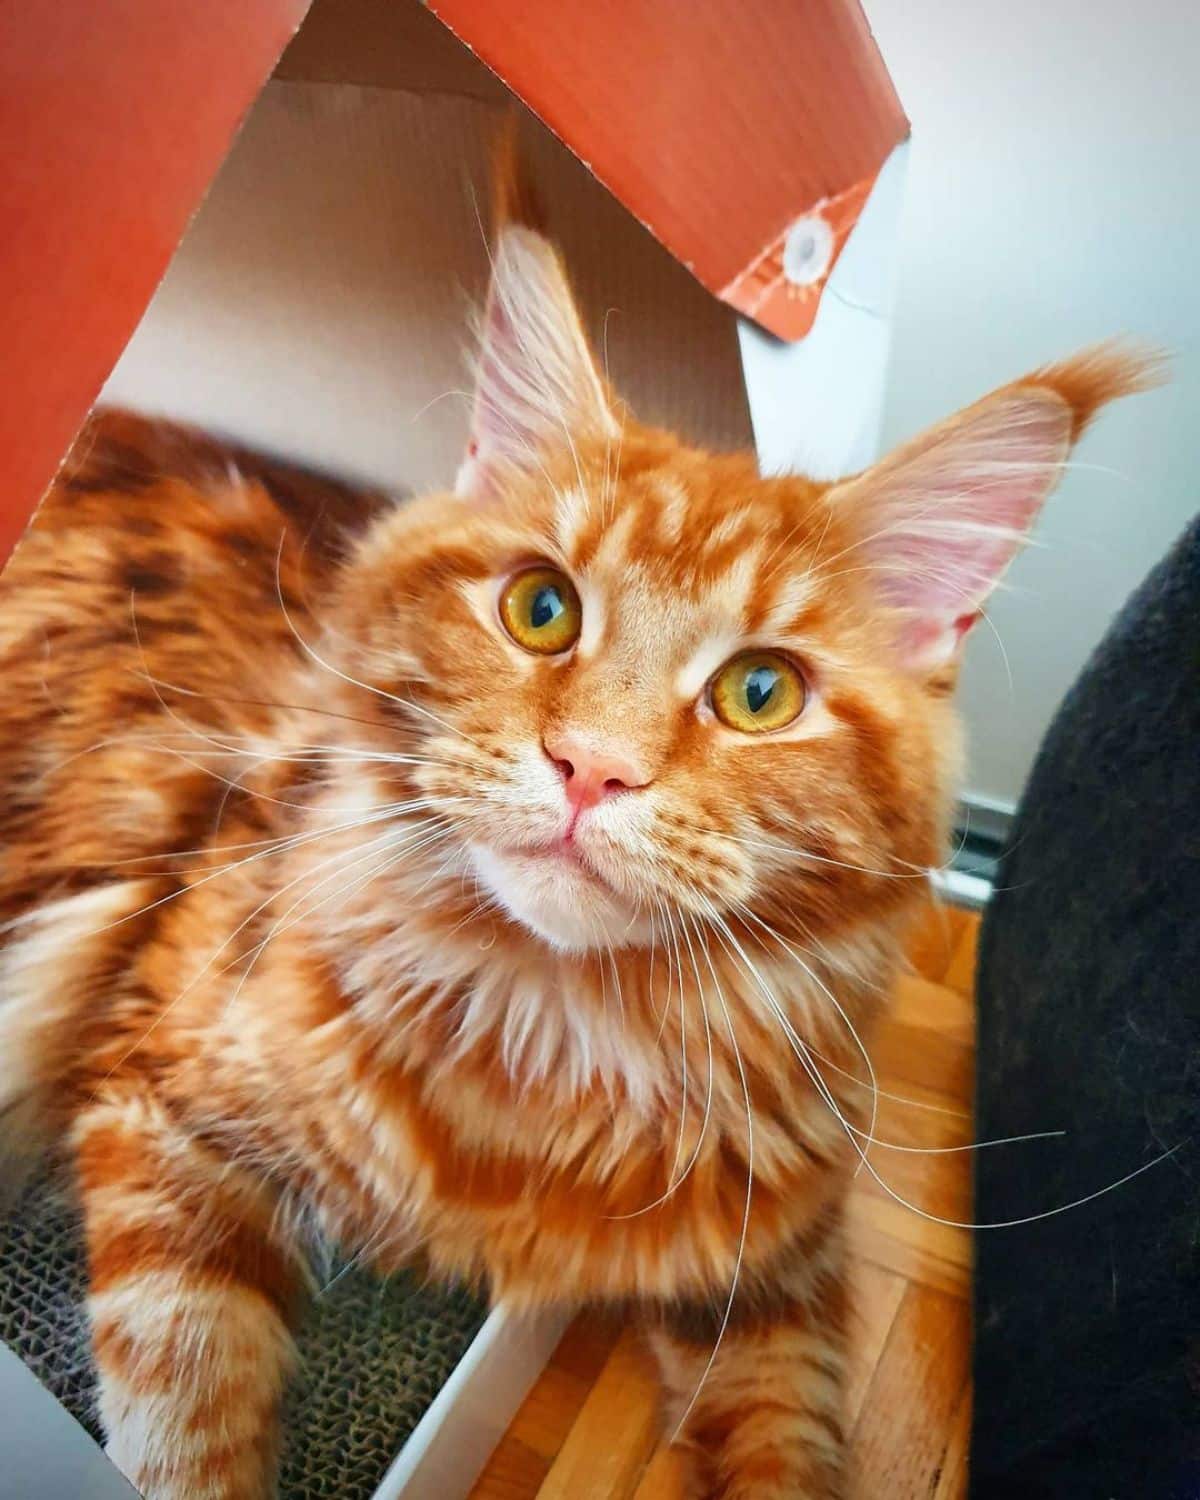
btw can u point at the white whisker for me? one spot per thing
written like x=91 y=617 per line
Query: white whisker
x=674 y=1186
x=396 y=849
x=805 y=1056
x=741 y=1249
x=846 y=1021
x=310 y=651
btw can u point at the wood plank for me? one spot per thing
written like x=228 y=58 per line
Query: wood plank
x=935 y=936
x=936 y=1180
x=549 y=1411
x=892 y=1237
x=916 y=1116
x=584 y=1348
x=960 y=974
x=938 y=1186
x=875 y=1297
x=514 y=1472
x=665 y=1478
x=523 y=1456
x=905 y=1055
x=920 y=1117
x=901 y=1437
x=938 y=1007
x=952 y=1481
x=615 y=1433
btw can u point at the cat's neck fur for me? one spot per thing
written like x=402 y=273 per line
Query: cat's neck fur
x=441 y=977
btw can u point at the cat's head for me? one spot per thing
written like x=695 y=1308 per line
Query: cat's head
x=645 y=680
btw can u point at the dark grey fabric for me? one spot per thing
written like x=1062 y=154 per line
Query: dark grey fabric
x=373 y=1354
x=1087 y=1323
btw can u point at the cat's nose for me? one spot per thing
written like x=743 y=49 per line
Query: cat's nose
x=592 y=770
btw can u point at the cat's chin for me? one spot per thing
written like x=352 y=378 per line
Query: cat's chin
x=559 y=899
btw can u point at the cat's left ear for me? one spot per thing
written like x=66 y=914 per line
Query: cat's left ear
x=939 y=520
x=537 y=386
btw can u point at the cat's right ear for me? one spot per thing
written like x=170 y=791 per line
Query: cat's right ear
x=536 y=383
x=940 y=519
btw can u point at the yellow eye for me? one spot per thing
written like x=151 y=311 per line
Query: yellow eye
x=541 y=611
x=758 y=692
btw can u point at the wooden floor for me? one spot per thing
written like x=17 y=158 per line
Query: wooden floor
x=590 y=1428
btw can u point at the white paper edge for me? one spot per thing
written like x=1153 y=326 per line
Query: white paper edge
x=961 y=888
x=816 y=405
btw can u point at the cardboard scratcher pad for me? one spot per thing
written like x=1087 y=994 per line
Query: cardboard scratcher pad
x=373 y=1353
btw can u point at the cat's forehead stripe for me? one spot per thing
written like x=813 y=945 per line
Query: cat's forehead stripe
x=729 y=561
x=571 y=513
x=591 y=635
x=696 y=671
x=735 y=527
x=783 y=600
x=673 y=511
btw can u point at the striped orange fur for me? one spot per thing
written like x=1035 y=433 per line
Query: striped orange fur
x=308 y=934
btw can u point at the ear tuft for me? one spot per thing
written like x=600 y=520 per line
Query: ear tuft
x=537 y=386
x=515 y=199
x=940 y=519
x=1105 y=372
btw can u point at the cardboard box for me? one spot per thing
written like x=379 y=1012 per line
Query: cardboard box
x=700 y=159
x=746 y=136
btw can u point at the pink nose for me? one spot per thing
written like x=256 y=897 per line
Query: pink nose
x=592 y=771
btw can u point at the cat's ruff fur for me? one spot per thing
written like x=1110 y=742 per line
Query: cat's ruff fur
x=291 y=951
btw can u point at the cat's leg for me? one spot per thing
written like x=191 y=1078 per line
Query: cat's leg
x=766 y=1421
x=190 y=1300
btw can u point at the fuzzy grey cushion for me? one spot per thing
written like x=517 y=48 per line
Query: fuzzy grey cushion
x=1089 y=1012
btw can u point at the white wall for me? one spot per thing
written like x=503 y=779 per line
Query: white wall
x=1053 y=199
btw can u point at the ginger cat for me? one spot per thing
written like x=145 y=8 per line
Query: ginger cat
x=514 y=889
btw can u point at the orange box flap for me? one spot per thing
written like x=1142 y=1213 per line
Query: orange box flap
x=114 y=118
x=718 y=123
